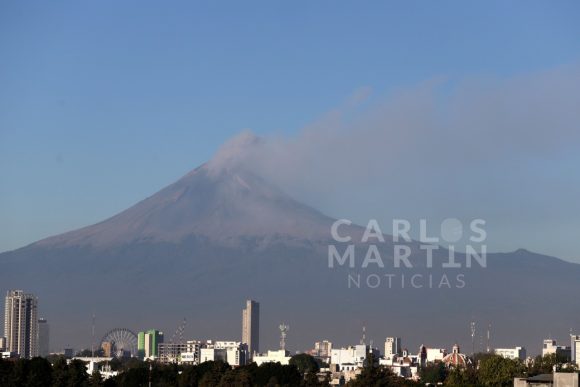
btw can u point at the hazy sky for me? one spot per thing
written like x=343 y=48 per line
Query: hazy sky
x=382 y=109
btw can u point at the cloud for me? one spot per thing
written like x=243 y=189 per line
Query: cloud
x=477 y=147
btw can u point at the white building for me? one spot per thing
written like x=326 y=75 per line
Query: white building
x=435 y=354
x=511 y=353
x=234 y=353
x=322 y=349
x=575 y=349
x=95 y=363
x=349 y=358
x=21 y=323
x=392 y=347
x=549 y=347
x=280 y=356
x=404 y=365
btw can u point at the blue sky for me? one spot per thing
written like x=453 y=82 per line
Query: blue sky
x=103 y=103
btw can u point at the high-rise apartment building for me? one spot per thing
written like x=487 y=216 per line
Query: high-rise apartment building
x=43 y=337
x=148 y=343
x=21 y=323
x=392 y=347
x=575 y=349
x=251 y=326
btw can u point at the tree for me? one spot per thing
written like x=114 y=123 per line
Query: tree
x=6 y=372
x=499 y=371
x=96 y=380
x=77 y=374
x=39 y=373
x=284 y=375
x=213 y=375
x=433 y=373
x=305 y=363
x=60 y=372
x=461 y=377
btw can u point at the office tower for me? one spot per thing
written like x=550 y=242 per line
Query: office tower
x=21 y=323
x=43 y=337
x=322 y=348
x=251 y=326
x=575 y=349
x=2 y=344
x=148 y=343
x=392 y=346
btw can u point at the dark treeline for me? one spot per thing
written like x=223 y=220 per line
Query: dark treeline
x=303 y=370
x=39 y=372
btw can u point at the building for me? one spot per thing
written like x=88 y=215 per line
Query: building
x=234 y=353
x=280 y=356
x=192 y=352
x=392 y=347
x=70 y=352
x=322 y=350
x=352 y=357
x=456 y=359
x=21 y=323
x=435 y=354
x=43 y=337
x=549 y=347
x=251 y=326
x=2 y=344
x=512 y=353
x=171 y=352
x=148 y=344
x=404 y=365
x=557 y=379
x=575 y=349
x=96 y=364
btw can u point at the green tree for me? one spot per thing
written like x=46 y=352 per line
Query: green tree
x=461 y=377
x=6 y=372
x=77 y=374
x=213 y=375
x=305 y=363
x=433 y=373
x=96 y=380
x=499 y=371
x=39 y=373
x=284 y=375
x=60 y=372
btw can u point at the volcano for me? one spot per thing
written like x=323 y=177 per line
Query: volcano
x=199 y=247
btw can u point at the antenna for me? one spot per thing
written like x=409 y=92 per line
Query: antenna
x=179 y=332
x=363 y=339
x=472 y=326
x=93 y=334
x=488 y=337
x=283 y=333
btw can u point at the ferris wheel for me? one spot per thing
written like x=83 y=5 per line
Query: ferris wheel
x=120 y=342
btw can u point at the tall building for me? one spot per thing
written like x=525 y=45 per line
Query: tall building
x=575 y=349
x=251 y=327
x=392 y=347
x=322 y=348
x=43 y=337
x=148 y=344
x=21 y=323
